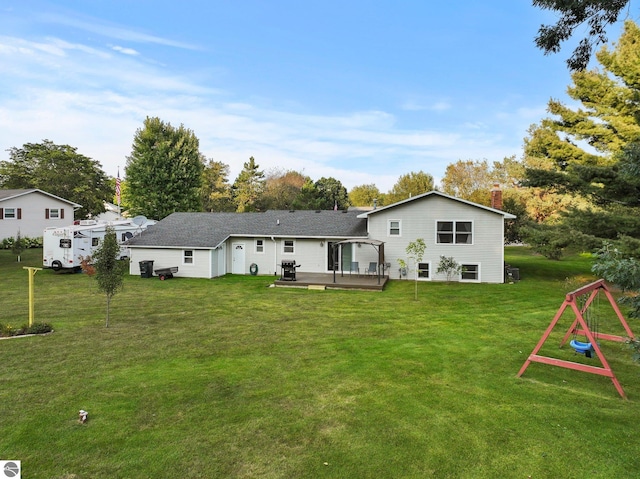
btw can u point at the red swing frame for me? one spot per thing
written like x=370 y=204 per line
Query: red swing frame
x=580 y=326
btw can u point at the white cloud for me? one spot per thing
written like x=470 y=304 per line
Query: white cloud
x=93 y=99
x=99 y=27
x=425 y=105
x=125 y=51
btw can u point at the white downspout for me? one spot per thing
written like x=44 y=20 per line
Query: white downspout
x=275 y=256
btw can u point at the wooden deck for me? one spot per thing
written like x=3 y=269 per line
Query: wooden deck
x=326 y=281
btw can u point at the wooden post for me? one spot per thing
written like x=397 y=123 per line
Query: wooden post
x=32 y=273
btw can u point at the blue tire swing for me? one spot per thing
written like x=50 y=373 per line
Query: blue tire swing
x=581 y=347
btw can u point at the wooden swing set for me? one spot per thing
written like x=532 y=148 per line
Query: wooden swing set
x=585 y=325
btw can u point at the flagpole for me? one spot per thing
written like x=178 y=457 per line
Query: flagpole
x=118 y=191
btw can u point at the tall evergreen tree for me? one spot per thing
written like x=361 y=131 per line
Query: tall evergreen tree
x=216 y=190
x=596 y=14
x=587 y=153
x=248 y=187
x=308 y=198
x=164 y=170
x=331 y=194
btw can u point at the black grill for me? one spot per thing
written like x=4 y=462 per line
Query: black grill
x=288 y=270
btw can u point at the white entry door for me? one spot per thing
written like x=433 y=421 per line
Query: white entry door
x=237 y=258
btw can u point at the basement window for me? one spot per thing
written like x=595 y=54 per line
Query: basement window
x=470 y=272
x=423 y=270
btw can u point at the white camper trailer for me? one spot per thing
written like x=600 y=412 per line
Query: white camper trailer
x=65 y=248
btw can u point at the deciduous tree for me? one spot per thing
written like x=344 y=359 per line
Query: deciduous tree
x=109 y=270
x=164 y=170
x=415 y=252
x=469 y=180
x=409 y=185
x=281 y=188
x=365 y=195
x=59 y=170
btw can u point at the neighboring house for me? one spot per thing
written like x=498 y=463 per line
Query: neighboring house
x=30 y=211
x=206 y=245
x=111 y=213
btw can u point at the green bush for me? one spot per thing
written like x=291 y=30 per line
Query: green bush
x=8 y=243
x=7 y=330
x=34 y=242
x=39 y=328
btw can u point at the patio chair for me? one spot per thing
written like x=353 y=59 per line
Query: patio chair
x=372 y=269
x=355 y=267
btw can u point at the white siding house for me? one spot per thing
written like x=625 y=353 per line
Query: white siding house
x=30 y=211
x=472 y=234
x=206 y=245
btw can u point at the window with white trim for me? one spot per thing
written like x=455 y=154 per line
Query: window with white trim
x=10 y=214
x=95 y=241
x=187 y=256
x=454 y=232
x=289 y=246
x=423 y=270
x=259 y=246
x=54 y=213
x=395 y=228
x=470 y=272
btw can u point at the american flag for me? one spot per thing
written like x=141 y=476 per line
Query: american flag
x=118 y=191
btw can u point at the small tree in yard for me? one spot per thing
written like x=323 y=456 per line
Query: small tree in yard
x=18 y=246
x=449 y=266
x=415 y=252
x=109 y=269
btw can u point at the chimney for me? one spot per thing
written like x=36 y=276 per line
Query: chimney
x=496 y=197
x=375 y=203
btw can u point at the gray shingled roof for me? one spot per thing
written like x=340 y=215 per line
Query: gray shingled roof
x=207 y=230
x=7 y=194
x=4 y=194
x=365 y=214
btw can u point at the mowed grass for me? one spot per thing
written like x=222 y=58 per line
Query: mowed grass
x=228 y=378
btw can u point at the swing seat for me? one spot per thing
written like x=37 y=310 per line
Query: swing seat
x=581 y=347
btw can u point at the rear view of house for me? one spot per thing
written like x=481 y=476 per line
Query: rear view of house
x=471 y=234
x=207 y=245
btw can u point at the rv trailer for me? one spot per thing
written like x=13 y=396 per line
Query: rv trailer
x=65 y=248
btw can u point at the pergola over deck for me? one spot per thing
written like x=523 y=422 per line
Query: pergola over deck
x=376 y=244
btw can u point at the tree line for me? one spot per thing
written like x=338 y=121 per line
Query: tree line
x=166 y=172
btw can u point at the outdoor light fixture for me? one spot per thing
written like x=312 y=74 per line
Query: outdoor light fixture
x=321 y=244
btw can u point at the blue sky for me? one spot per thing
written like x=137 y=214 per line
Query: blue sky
x=362 y=91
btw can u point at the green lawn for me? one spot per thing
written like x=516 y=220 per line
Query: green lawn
x=229 y=378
